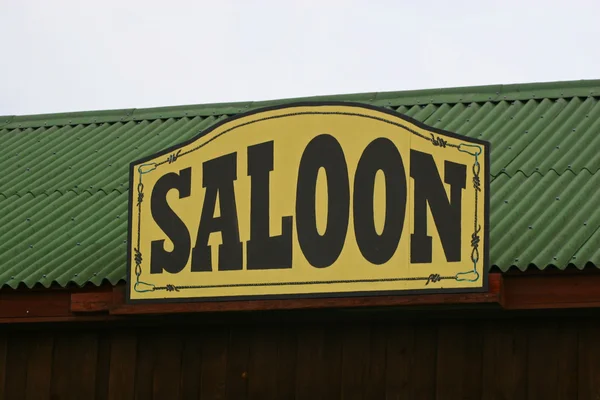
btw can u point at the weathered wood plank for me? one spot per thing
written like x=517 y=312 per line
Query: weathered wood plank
x=319 y=362
x=589 y=360
x=74 y=365
x=35 y=304
x=263 y=374
x=411 y=357
x=3 y=363
x=39 y=365
x=123 y=361
x=459 y=360
x=214 y=363
x=103 y=365
x=238 y=353
x=191 y=365
x=287 y=353
x=355 y=360
x=552 y=291
x=375 y=379
x=145 y=362
x=567 y=359
x=16 y=365
x=167 y=367
x=504 y=374
x=86 y=302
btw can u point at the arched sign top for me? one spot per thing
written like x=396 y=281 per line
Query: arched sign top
x=308 y=200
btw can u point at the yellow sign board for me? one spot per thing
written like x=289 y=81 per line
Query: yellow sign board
x=309 y=200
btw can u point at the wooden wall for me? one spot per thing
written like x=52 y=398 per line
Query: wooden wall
x=525 y=358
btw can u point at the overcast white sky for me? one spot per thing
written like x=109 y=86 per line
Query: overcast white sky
x=60 y=55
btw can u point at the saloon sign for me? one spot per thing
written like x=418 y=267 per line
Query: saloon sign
x=319 y=199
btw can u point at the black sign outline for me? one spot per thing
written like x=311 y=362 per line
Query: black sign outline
x=174 y=153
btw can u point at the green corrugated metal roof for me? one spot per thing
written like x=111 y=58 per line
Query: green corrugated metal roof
x=64 y=181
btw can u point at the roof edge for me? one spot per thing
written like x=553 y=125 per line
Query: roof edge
x=464 y=94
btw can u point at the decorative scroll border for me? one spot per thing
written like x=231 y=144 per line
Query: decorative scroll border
x=475 y=150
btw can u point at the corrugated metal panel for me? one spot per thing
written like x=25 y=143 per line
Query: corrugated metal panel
x=63 y=190
x=544 y=220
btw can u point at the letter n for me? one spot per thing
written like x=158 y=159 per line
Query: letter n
x=429 y=190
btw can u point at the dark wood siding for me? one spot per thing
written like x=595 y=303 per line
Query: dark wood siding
x=501 y=358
